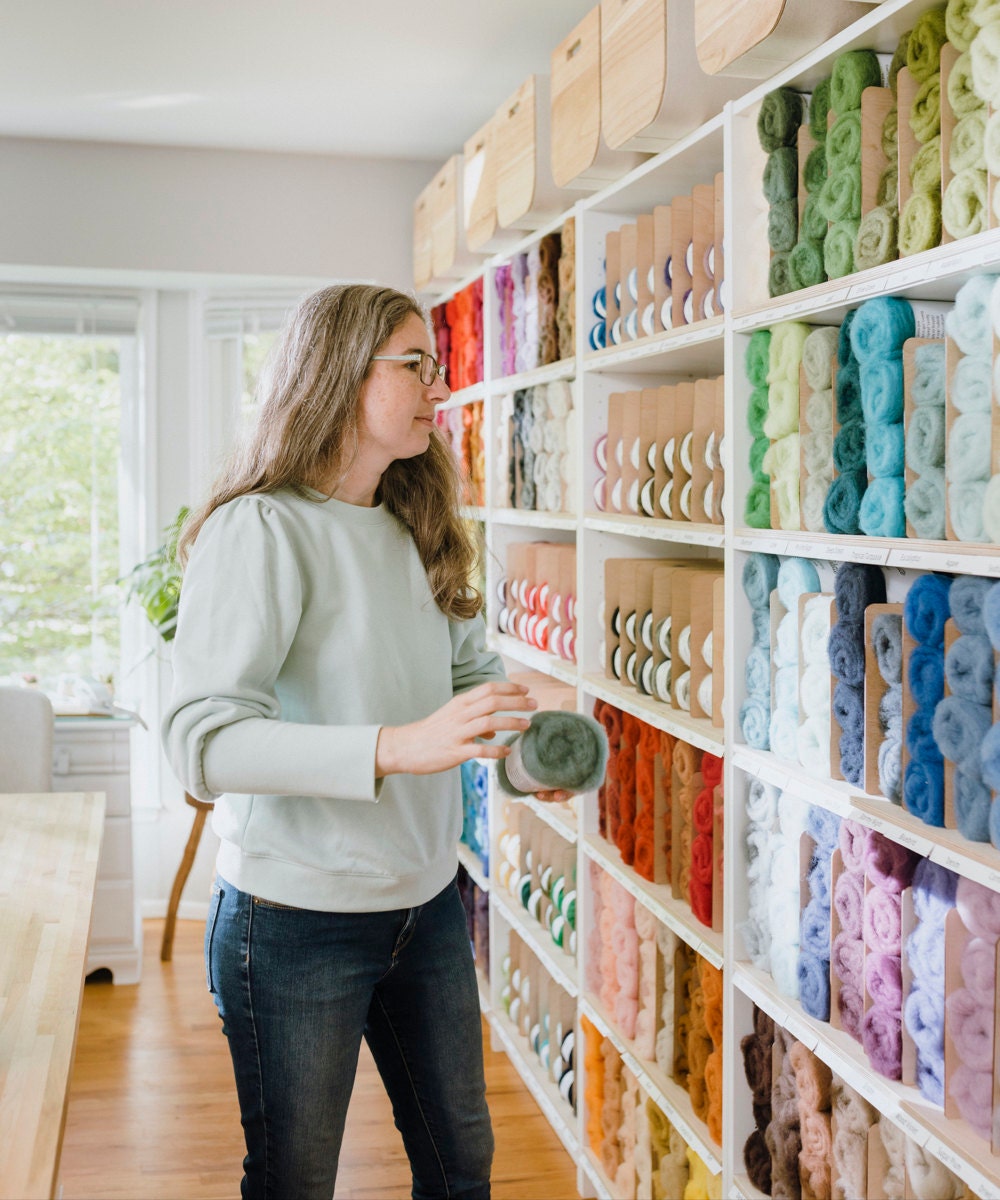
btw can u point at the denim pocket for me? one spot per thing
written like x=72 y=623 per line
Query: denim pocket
x=213 y=918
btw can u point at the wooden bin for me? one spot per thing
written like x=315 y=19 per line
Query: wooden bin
x=479 y=193
x=580 y=160
x=423 y=270
x=527 y=195
x=450 y=259
x=653 y=92
x=754 y=39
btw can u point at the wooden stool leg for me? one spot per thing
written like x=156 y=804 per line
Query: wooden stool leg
x=183 y=871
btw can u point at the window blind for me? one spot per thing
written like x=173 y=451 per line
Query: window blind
x=40 y=311
x=227 y=316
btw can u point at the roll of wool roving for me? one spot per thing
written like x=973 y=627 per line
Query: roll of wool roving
x=966 y=599
x=965 y=509
x=972 y=384
x=838 y=249
x=884 y=448
x=819 y=108
x=920 y=223
x=968 y=142
x=783 y=225
x=843 y=503
x=877 y=240
x=814 y=172
x=925 y=167
x=781 y=113
x=880 y=327
x=968 y=323
x=806 y=264
x=781 y=175
x=848 y=390
x=964 y=207
x=925 y=113
x=856 y=586
x=926 y=609
x=961 y=93
x=779 y=276
x=853 y=71
x=984 y=54
x=849 y=447
x=925 y=505
x=925 y=440
x=818 y=351
x=882 y=390
x=923 y=50
x=929 y=374
x=756 y=361
x=958 y=23
x=881 y=513
x=812 y=224
x=843 y=145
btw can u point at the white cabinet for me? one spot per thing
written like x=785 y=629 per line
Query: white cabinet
x=91 y=754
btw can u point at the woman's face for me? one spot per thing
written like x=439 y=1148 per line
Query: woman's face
x=396 y=409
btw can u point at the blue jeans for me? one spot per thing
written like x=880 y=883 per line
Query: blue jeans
x=298 y=989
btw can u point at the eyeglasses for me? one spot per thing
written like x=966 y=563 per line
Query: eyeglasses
x=429 y=370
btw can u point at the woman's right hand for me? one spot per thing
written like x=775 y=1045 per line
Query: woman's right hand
x=448 y=737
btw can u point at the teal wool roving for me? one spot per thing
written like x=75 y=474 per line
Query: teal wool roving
x=880 y=327
x=843 y=503
x=882 y=389
x=853 y=71
x=925 y=432
x=780 y=116
x=564 y=751
x=884 y=448
x=972 y=383
x=881 y=513
x=849 y=447
x=848 y=390
x=924 y=505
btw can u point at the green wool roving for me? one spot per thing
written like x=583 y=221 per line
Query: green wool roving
x=853 y=71
x=814 y=172
x=779 y=278
x=887 y=195
x=968 y=143
x=890 y=134
x=923 y=51
x=783 y=224
x=840 y=197
x=838 y=249
x=876 y=241
x=962 y=94
x=812 y=224
x=758 y=448
x=757 y=361
x=898 y=60
x=958 y=23
x=564 y=751
x=925 y=115
x=925 y=167
x=843 y=146
x=920 y=223
x=757 y=410
x=985 y=55
x=963 y=209
x=757 y=509
x=819 y=107
x=780 y=116
x=985 y=12
x=805 y=263
x=781 y=175
x=991 y=143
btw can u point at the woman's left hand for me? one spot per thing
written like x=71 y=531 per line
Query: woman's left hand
x=555 y=797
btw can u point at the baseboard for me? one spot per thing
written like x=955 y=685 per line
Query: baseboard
x=187 y=910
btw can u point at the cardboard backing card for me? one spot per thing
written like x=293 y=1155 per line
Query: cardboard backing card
x=646 y=274
x=876 y=104
x=631 y=452
x=612 y=283
x=875 y=689
x=718 y=472
x=702 y=427
x=703 y=241
x=683 y=435
x=627 y=249
x=648 y=452
x=615 y=452
x=681 y=252
x=666 y=397
x=662 y=249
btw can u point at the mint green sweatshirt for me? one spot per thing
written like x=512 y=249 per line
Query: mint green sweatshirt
x=304 y=627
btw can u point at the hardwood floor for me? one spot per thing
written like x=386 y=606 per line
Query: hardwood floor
x=153 y=1116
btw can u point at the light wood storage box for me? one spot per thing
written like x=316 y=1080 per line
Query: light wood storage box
x=527 y=195
x=653 y=91
x=479 y=193
x=580 y=160
x=423 y=249
x=754 y=39
x=450 y=258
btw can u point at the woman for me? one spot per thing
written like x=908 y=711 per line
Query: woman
x=329 y=675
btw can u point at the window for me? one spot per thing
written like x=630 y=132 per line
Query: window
x=65 y=370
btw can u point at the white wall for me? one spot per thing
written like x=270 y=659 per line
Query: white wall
x=144 y=208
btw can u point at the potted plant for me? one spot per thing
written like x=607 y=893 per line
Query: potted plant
x=156 y=581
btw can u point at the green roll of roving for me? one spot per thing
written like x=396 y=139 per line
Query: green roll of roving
x=840 y=197
x=805 y=262
x=565 y=751
x=819 y=107
x=757 y=509
x=758 y=448
x=890 y=134
x=963 y=209
x=958 y=23
x=781 y=175
x=923 y=51
x=812 y=224
x=814 y=172
x=920 y=223
x=991 y=143
x=925 y=167
x=838 y=249
x=984 y=54
x=843 y=146
x=780 y=116
x=876 y=241
x=968 y=143
x=962 y=96
x=783 y=224
x=985 y=12
x=887 y=195
x=757 y=411
x=853 y=71
x=779 y=278
x=925 y=115
x=757 y=361
x=898 y=59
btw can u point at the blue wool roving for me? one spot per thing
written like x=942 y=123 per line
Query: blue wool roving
x=920 y=743
x=786 y=687
x=881 y=513
x=923 y=791
x=972 y=384
x=933 y=891
x=887 y=642
x=852 y=758
x=844 y=351
x=849 y=447
x=926 y=609
x=926 y=674
x=972 y=806
x=965 y=507
x=929 y=376
x=795 y=577
x=884 y=449
x=814 y=984
x=848 y=392
x=760 y=578
x=814 y=929
x=989 y=758
x=843 y=503
x=820 y=879
x=824 y=829
x=855 y=586
x=755 y=721
x=995 y=824
x=991 y=614
x=925 y=438
x=760 y=619
x=959 y=728
x=848 y=706
x=968 y=667
x=969 y=448
x=967 y=597
x=968 y=323
x=924 y=504
x=882 y=390
x=881 y=326
x=757 y=672
x=846 y=649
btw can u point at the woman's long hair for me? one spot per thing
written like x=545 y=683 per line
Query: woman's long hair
x=307 y=428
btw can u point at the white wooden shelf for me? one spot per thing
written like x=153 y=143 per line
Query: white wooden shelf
x=560 y=817
x=559 y=965
x=473 y=512
x=467 y=395
x=685 y=533
x=552 y=373
x=696 y=731
x=595 y=1175
x=531 y=656
x=530 y=519
x=473 y=867
x=675 y=914
x=695 y=347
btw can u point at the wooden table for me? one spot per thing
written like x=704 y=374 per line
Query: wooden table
x=49 y=846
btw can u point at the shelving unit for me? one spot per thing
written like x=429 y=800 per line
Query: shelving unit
x=708 y=348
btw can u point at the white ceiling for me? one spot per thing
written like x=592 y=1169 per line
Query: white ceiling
x=391 y=78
